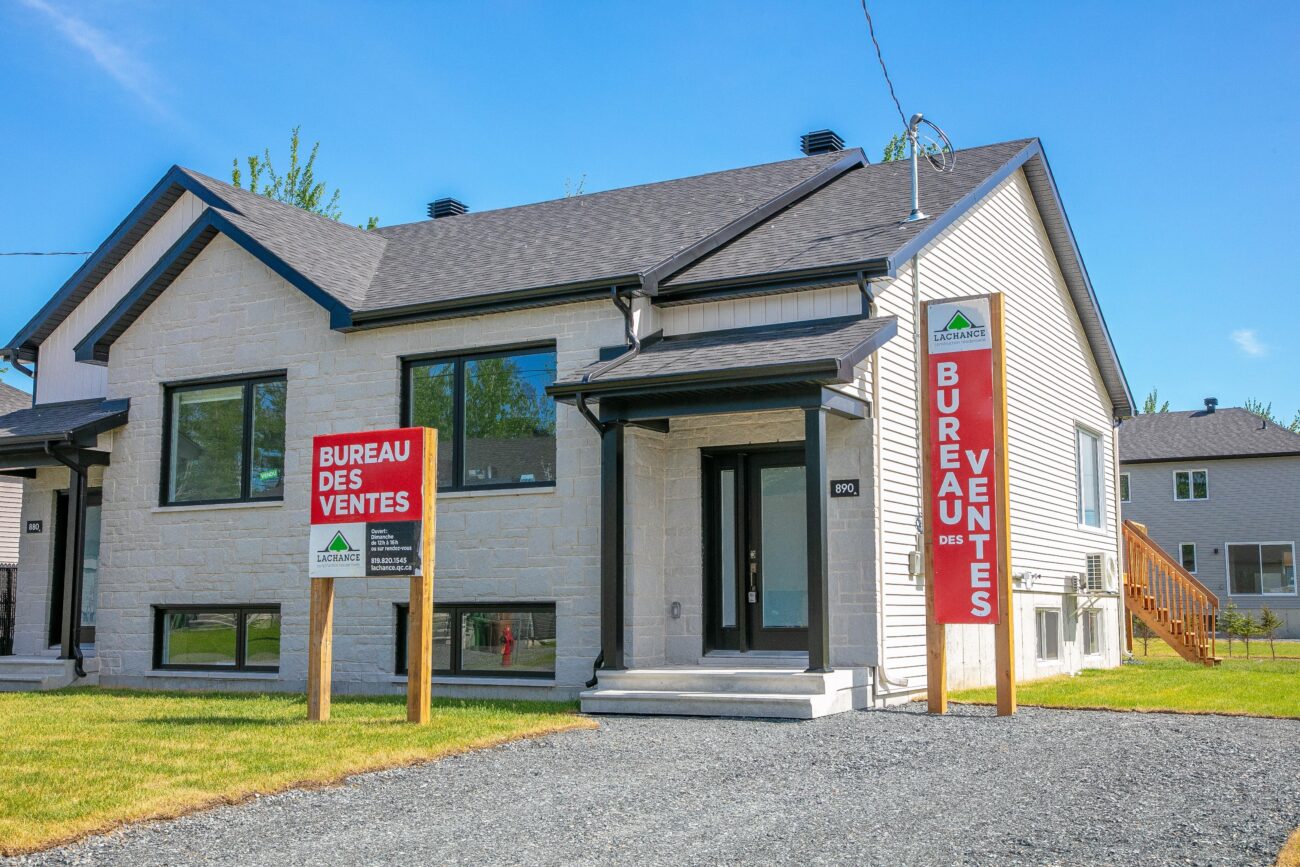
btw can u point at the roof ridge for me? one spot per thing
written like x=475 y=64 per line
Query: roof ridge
x=267 y=201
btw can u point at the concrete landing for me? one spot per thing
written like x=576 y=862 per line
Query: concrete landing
x=38 y=673
x=762 y=691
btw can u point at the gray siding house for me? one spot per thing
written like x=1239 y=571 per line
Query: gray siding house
x=1219 y=490
x=642 y=396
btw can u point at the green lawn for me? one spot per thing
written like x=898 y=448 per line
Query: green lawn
x=1288 y=649
x=1164 y=682
x=78 y=761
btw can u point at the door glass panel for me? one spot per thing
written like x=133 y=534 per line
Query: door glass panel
x=90 y=569
x=784 y=564
x=727 y=544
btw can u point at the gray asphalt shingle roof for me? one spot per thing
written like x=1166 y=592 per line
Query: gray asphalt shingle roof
x=12 y=399
x=48 y=421
x=825 y=350
x=1230 y=432
x=855 y=218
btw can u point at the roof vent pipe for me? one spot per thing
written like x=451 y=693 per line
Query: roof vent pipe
x=822 y=141
x=1211 y=403
x=446 y=208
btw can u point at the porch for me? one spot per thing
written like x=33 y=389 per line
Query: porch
x=55 y=649
x=724 y=588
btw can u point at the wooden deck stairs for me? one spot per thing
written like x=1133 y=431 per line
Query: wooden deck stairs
x=1180 y=610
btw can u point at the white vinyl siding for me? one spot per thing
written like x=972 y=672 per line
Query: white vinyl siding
x=59 y=376
x=1053 y=385
x=11 y=516
x=825 y=303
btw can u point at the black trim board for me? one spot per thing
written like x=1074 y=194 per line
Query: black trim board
x=94 y=347
x=1198 y=458
x=142 y=218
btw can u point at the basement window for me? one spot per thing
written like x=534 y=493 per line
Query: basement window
x=1091 y=632
x=217 y=638
x=223 y=442
x=1048 y=621
x=487 y=640
x=496 y=424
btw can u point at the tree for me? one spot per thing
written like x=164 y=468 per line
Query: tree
x=1269 y=624
x=572 y=189
x=1259 y=408
x=1230 y=623
x=897 y=148
x=297 y=186
x=1153 y=404
x=1142 y=633
x=1247 y=628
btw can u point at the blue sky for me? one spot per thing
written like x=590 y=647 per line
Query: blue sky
x=1170 y=127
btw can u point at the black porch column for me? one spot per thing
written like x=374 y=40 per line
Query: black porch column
x=73 y=563
x=817 y=482
x=611 y=545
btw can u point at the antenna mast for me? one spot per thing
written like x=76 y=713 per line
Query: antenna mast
x=939 y=153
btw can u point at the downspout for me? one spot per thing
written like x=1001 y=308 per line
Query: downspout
x=11 y=355
x=580 y=400
x=75 y=551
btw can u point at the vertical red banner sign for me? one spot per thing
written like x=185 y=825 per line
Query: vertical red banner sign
x=962 y=490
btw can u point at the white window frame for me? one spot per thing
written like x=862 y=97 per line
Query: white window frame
x=1191 y=486
x=1195 y=558
x=1092 y=615
x=1039 y=634
x=1081 y=430
x=1227 y=570
x=1126 y=485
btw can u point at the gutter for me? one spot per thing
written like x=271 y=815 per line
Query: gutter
x=11 y=355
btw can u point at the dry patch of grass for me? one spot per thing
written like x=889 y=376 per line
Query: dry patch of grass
x=80 y=761
x=1239 y=687
x=1290 y=854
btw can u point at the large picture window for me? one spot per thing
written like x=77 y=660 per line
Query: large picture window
x=217 y=638
x=1263 y=569
x=496 y=424
x=224 y=441
x=1089 y=477
x=488 y=640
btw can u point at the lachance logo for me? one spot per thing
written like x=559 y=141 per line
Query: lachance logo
x=339 y=550
x=338 y=545
x=961 y=327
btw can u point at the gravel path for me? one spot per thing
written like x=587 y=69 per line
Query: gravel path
x=883 y=787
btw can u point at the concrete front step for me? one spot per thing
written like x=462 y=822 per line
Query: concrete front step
x=732 y=692
x=39 y=673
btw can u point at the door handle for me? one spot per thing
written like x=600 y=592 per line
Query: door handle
x=753 y=575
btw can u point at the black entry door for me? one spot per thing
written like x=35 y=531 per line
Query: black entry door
x=90 y=566
x=756 y=550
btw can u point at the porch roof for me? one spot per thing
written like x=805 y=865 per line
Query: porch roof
x=73 y=423
x=815 y=353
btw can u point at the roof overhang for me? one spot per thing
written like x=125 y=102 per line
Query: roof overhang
x=51 y=434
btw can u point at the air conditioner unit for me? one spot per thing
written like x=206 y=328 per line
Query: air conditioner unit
x=1099 y=575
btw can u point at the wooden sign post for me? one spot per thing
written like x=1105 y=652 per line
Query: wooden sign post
x=967 y=527
x=373 y=516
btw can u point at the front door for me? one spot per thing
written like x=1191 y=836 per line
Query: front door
x=756 y=550
x=89 y=566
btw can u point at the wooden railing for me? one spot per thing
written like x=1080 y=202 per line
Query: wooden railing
x=1167 y=598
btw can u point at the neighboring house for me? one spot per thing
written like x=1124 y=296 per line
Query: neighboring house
x=1219 y=490
x=641 y=397
x=11 y=489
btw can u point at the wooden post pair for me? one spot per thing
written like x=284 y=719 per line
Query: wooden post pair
x=936 y=639
x=419 y=656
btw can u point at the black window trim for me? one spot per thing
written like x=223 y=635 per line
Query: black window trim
x=457 y=609
x=458 y=361
x=249 y=381
x=241 y=615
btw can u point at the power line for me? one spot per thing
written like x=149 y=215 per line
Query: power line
x=871 y=28
x=75 y=253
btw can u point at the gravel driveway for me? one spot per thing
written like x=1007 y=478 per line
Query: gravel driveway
x=879 y=787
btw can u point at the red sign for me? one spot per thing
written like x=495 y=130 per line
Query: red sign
x=367 y=503
x=962 y=487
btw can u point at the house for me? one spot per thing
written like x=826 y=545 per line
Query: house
x=1220 y=490
x=11 y=507
x=642 y=396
